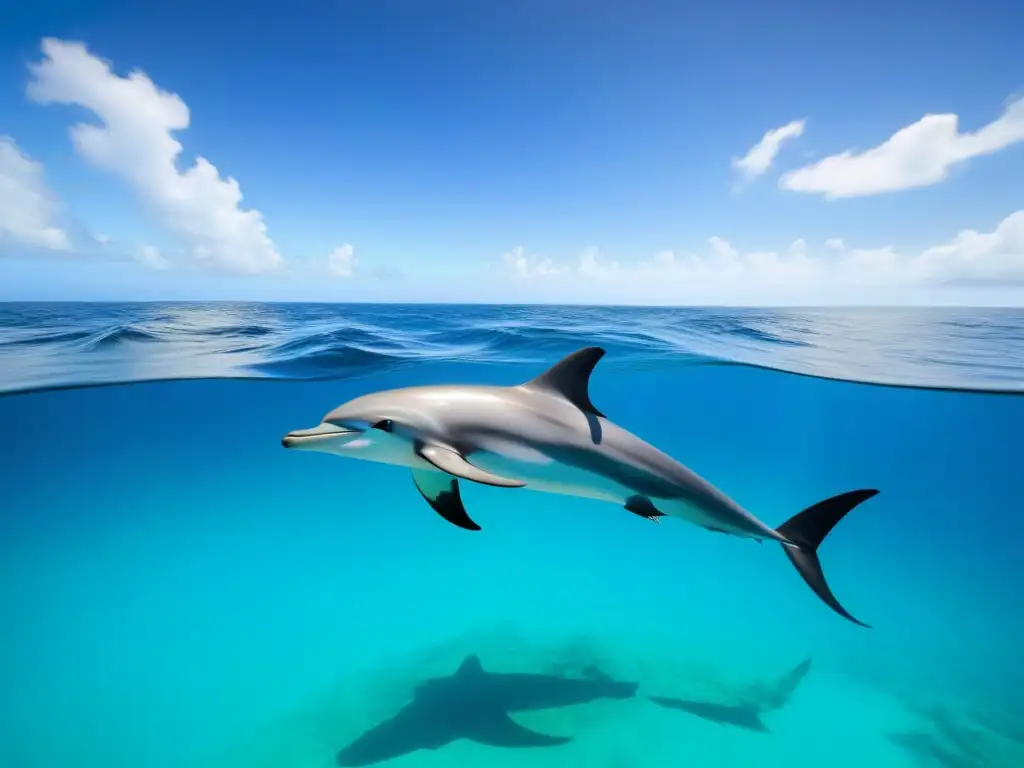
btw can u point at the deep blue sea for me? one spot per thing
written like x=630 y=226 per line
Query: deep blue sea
x=177 y=589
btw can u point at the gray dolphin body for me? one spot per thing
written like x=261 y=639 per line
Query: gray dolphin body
x=546 y=435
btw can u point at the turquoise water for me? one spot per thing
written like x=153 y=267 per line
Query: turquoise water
x=179 y=590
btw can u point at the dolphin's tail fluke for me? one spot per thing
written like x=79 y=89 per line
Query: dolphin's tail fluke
x=806 y=530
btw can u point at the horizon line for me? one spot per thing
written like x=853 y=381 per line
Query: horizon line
x=575 y=305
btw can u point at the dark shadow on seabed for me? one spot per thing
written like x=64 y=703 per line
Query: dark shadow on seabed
x=754 y=701
x=966 y=738
x=928 y=751
x=474 y=704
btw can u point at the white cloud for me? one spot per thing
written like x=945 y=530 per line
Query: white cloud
x=919 y=155
x=147 y=255
x=27 y=207
x=342 y=261
x=150 y=256
x=135 y=142
x=992 y=257
x=592 y=266
x=525 y=265
x=834 y=273
x=763 y=154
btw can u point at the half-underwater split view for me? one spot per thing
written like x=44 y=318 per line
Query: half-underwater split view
x=518 y=385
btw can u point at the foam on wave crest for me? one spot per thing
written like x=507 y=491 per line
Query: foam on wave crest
x=66 y=345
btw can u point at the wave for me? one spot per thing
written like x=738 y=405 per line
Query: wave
x=120 y=334
x=46 y=346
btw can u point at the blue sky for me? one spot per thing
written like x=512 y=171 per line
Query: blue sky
x=527 y=151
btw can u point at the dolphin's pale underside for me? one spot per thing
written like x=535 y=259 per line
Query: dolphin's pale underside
x=546 y=435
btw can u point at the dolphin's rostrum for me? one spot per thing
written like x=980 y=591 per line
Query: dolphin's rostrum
x=474 y=704
x=546 y=435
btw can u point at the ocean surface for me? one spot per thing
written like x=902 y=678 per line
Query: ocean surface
x=178 y=590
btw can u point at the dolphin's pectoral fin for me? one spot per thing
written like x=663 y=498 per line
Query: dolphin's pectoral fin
x=496 y=729
x=441 y=491
x=570 y=378
x=454 y=463
x=644 y=507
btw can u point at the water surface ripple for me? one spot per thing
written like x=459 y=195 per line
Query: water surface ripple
x=46 y=345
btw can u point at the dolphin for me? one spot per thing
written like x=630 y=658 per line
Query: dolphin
x=474 y=704
x=546 y=435
x=756 y=700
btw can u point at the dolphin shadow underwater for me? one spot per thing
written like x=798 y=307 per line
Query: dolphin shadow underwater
x=474 y=704
x=758 y=700
x=546 y=435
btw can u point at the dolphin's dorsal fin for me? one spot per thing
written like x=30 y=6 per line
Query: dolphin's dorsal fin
x=570 y=378
x=470 y=666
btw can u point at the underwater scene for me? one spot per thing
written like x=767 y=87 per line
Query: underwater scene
x=180 y=587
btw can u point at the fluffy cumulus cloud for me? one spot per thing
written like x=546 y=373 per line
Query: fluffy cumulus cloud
x=919 y=155
x=342 y=261
x=995 y=257
x=831 y=273
x=761 y=156
x=28 y=210
x=134 y=140
x=524 y=265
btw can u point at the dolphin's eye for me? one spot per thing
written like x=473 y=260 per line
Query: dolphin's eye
x=385 y=425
